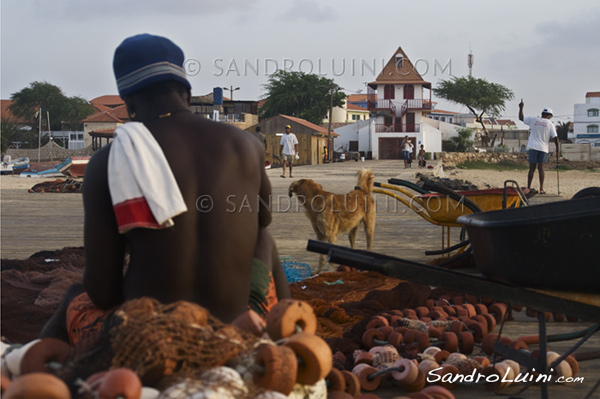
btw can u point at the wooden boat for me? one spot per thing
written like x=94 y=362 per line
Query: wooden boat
x=77 y=167
x=16 y=165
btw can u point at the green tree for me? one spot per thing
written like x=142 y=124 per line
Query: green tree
x=462 y=142
x=478 y=95
x=562 y=129
x=8 y=133
x=299 y=94
x=51 y=99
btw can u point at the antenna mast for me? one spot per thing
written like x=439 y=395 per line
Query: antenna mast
x=470 y=60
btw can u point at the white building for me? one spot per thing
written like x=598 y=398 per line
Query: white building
x=397 y=106
x=586 y=121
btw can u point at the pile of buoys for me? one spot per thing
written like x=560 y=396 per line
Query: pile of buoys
x=441 y=344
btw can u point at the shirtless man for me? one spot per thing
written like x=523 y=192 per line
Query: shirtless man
x=206 y=256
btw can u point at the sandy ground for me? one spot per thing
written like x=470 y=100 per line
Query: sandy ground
x=569 y=182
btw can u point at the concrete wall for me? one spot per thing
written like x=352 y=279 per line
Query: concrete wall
x=580 y=152
x=49 y=152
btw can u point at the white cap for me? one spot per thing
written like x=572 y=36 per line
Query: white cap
x=547 y=111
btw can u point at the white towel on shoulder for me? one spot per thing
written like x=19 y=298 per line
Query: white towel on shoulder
x=142 y=186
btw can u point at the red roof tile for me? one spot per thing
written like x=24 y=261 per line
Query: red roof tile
x=308 y=124
x=406 y=74
x=592 y=94
x=118 y=114
x=356 y=98
x=354 y=107
x=5 y=113
x=108 y=100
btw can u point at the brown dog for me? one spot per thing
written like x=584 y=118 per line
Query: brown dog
x=331 y=214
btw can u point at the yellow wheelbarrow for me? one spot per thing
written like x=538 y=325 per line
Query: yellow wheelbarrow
x=442 y=206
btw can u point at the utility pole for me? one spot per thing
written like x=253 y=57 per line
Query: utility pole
x=231 y=90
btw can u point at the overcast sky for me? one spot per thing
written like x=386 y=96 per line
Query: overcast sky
x=547 y=52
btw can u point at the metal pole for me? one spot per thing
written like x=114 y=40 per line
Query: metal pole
x=40 y=135
x=557 y=178
x=329 y=143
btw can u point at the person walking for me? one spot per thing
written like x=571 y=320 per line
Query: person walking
x=407 y=149
x=542 y=130
x=288 y=149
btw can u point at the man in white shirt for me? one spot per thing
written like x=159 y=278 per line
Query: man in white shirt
x=288 y=148
x=542 y=130
x=407 y=149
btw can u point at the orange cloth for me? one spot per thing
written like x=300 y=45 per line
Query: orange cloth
x=263 y=294
x=84 y=319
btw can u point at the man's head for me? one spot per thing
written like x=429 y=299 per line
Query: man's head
x=288 y=129
x=547 y=113
x=143 y=60
x=257 y=129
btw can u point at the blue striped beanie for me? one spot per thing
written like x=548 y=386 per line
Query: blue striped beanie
x=145 y=59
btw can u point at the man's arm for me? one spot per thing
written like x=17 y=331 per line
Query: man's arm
x=104 y=246
x=521 y=105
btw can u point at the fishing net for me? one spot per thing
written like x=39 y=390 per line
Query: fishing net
x=163 y=344
x=295 y=271
x=58 y=186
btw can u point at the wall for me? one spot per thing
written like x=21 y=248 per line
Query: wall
x=451 y=159
x=49 y=152
x=580 y=152
x=352 y=133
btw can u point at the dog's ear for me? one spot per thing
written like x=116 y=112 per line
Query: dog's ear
x=292 y=188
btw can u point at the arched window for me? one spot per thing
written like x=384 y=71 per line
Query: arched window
x=592 y=128
x=593 y=112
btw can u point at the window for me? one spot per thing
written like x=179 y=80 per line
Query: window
x=592 y=129
x=398 y=61
x=593 y=112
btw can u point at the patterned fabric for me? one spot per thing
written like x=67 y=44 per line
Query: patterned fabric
x=263 y=295
x=84 y=319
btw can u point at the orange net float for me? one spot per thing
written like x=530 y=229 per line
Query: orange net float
x=277 y=368
x=422 y=340
x=363 y=372
x=46 y=350
x=363 y=357
x=491 y=322
x=315 y=359
x=450 y=370
x=441 y=356
x=352 y=383
x=335 y=381
x=480 y=308
x=498 y=310
x=466 y=342
x=487 y=345
x=290 y=316
x=450 y=341
x=574 y=365
x=417 y=385
x=395 y=339
x=377 y=321
x=372 y=337
x=405 y=371
x=427 y=365
x=36 y=386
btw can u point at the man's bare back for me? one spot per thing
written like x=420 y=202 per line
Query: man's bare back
x=206 y=257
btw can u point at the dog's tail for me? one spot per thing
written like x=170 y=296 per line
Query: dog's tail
x=365 y=180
